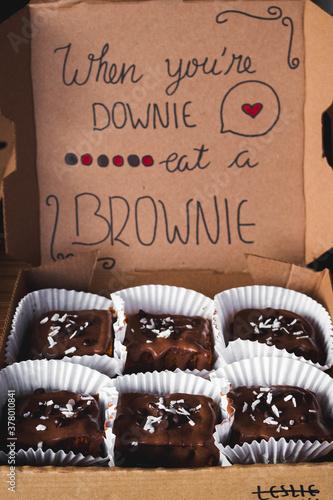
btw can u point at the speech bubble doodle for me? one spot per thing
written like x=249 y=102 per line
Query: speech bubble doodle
x=250 y=109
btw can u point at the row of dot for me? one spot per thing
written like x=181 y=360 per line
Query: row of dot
x=103 y=160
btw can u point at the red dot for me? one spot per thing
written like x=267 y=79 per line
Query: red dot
x=148 y=161
x=86 y=159
x=118 y=161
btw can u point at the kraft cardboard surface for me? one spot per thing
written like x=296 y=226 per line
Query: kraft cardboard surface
x=169 y=134
x=255 y=482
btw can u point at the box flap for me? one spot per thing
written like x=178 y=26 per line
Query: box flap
x=21 y=207
x=209 y=184
x=223 y=223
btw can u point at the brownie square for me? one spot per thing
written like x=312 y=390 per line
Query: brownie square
x=277 y=411
x=165 y=431
x=56 y=420
x=166 y=342
x=280 y=328
x=56 y=334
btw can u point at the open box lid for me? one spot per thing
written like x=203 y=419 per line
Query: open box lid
x=259 y=185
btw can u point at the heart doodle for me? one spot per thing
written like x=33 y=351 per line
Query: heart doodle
x=252 y=110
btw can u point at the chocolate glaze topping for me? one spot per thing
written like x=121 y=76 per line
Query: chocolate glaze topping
x=59 y=420
x=166 y=342
x=66 y=333
x=281 y=328
x=165 y=431
x=277 y=411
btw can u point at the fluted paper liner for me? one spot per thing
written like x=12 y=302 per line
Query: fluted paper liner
x=164 y=383
x=54 y=375
x=268 y=371
x=36 y=303
x=227 y=303
x=159 y=299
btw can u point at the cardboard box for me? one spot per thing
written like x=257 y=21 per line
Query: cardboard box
x=253 y=182
x=312 y=480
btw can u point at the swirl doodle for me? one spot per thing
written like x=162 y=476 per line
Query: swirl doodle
x=60 y=256
x=293 y=63
x=275 y=13
x=108 y=262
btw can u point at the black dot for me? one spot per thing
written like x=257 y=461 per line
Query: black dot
x=3 y=144
x=103 y=161
x=71 y=159
x=133 y=160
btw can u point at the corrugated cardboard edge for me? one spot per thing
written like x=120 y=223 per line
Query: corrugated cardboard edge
x=318 y=176
x=236 y=482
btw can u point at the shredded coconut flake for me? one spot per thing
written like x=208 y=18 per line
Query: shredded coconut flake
x=275 y=410
x=70 y=350
x=55 y=317
x=165 y=334
x=149 y=423
x=41 y=427
x=270 y=421
x=44 y=320
x=269 y=398
x=255 y=403
x=52 y=342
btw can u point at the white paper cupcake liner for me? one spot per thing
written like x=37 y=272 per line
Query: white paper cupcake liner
x=227 y=303
x=160 y=299
x=36 y=303
x=164 y=383
x=268 y=371
x=53 y=375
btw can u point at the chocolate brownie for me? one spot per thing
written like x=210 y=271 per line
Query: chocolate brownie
x=165 y=431
x=56 y=334
x=280 y=328
x=166 y=342
x=57 y=420
x=286 y=412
